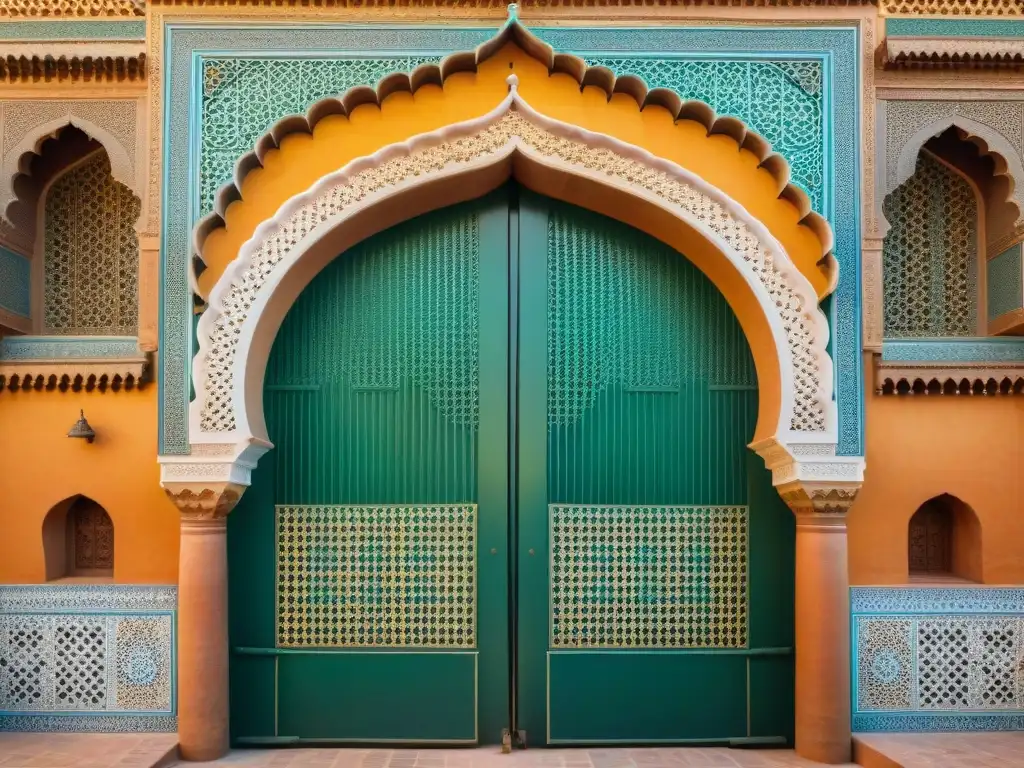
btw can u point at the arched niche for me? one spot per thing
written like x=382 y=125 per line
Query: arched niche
x=78 y=540
x=944 y=541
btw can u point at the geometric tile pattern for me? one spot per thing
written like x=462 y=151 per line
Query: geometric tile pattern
x=376 y=576
x=648 y=577
x=55 y=664
x=1005 y=282
x=930 y=255
x=15 y=283
x=91 y=254
x=839 y=193
x=936 y=670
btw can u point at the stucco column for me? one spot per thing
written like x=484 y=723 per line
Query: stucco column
x=203 y=732
x=822 y=609
x=822 y=639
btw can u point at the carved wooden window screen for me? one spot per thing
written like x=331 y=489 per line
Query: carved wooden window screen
x=931 y=539
x=93 y=534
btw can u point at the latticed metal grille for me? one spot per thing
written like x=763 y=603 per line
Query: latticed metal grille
x=648 y=577
x=622 y=311
x=91 y=253
x=376 y=576
x=930 y=255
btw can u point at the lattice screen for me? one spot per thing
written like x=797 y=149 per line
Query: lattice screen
x=648 y=577
x=376 y=576
x=91 y=254
x=930 y=255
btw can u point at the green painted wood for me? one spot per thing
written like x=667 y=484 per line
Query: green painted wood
x=379 y=697
x=517 y=354
x=637 y=398
x=385 y=396
x=632 y=697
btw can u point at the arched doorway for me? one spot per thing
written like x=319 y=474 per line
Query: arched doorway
x=511 y=484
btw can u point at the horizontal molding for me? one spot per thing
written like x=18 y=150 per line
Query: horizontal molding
x=954 y=350
x=921 y=722
x=69 y=348
x=959 y=28
x=91 y=723
x=88 y=598
x=936 y=601
x=73 y=30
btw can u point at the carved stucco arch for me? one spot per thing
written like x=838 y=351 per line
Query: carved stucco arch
x=797 y=416
x=15 y=161
x=1007 y=159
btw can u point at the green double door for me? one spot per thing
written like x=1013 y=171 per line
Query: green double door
x=510 y=489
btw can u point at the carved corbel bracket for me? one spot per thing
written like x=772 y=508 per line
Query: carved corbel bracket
x=204 y=502
x=207 y=484
x=817 y=485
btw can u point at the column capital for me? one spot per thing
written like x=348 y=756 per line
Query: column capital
x=819 y=503
x=204 y=502
x=817 y=485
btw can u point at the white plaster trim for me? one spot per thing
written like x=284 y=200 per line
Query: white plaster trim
x=245 y=432
x=964 y=48
x=121 y=166
x=997 y=143
x=99 y=49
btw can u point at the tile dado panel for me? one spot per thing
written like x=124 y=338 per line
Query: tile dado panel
x=87 y=658
x=937 y=658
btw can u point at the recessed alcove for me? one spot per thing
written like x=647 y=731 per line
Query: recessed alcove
x=944 y=542
x=78 y=541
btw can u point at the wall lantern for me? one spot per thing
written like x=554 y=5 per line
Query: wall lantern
x=82 y=429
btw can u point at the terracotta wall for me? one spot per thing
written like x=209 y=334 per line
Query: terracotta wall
x=921 y=446
x=41 y=467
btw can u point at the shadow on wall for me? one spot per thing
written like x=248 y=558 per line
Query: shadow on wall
x=78 y=540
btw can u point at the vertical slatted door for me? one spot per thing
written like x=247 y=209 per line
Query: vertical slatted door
x=655 y=568
x=368 y=561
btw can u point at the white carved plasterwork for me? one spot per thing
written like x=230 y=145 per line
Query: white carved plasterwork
x=227 y=330
x=909 y=124
x=953 y=48
x=25 y=124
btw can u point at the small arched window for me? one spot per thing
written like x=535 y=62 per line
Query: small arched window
x=944 y=540
x=78 y=540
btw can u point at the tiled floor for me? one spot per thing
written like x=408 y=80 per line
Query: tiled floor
x=945 y=750
x=86 y=750
x=490 y=757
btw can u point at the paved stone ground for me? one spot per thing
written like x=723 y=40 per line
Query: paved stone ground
x=490 y=757
x=86 y=750
x=941 y=750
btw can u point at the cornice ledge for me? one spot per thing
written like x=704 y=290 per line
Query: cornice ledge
x=37 y=362
x=948 y=378
x=491 y=4
x=55 y=61
x=949 y=52
x=71 y=9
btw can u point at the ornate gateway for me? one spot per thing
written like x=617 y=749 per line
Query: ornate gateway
x=510 y=484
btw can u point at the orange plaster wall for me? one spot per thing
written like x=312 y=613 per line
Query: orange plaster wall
x=919 y=447
x=119 y=471
x=302 y=159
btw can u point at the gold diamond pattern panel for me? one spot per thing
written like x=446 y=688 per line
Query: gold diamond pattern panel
x=376 y=576
x=648 y=577
x=91 y=254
